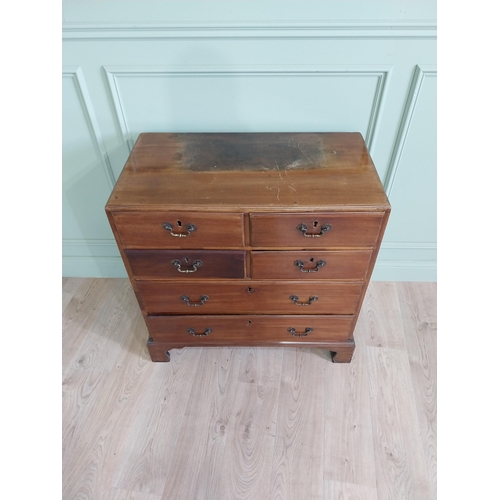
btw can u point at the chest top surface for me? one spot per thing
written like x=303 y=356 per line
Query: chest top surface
x=266 y=172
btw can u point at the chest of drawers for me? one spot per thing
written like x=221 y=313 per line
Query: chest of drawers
x=249 y=239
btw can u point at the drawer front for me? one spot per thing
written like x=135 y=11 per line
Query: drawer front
x=249 y=297
x=311 y=265
x=186 y=264
x=246 y=330
x=179 y=230
x=313 y=230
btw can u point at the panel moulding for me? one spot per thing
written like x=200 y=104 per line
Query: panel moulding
x=217 y=30
x=419 y=74
x=76 y=74
x=113 y=73
x=407 y=245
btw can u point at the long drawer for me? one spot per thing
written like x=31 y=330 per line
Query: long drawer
x=186 y=264
x=311 y=265
x=313 y=230
x=249 y=297
x=179 y=229
x=248 y=329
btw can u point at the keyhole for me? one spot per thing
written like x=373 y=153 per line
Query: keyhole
x=250 y=289
x=249 y=323
x=311 y=259
x=179 y=223
x=315 y=223
x=186 y=259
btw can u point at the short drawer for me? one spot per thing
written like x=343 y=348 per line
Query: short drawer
x=311 y=265
x=246 y=330
x=186 y=264
x=314 y=230
x=179 y=229
x=249 y=297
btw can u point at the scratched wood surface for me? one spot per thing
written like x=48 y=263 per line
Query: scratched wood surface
x=248 y=423
x=288 y=171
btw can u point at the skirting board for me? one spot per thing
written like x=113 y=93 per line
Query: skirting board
x=401 y=270
x=112 y=267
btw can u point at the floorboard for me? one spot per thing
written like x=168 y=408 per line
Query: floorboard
x=248 y=423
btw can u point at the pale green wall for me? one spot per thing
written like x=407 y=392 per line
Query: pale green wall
x=248 y=66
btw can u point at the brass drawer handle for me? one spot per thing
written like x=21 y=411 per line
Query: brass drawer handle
x=190 y=228
x=305 y=334
x=295 y=300
x=203 y=299
x=303 y=229
x=196 y=264
x=204 y=334
x=319 y=264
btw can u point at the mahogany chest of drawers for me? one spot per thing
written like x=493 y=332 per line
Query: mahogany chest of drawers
x=249 y=239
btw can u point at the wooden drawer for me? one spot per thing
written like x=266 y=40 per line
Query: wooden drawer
x=249 y=235
x=249 y=297
x=249 y=329
x=186 y=264
x=199 y=230
x=311 y=265
x=311 y=230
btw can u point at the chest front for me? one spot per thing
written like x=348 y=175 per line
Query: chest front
x=249 y=239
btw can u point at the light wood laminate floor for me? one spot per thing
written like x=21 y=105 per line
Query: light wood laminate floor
x=248 y=423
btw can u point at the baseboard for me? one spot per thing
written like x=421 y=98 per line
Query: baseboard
x=93 y=267
x=112 y=267
x=401 y=270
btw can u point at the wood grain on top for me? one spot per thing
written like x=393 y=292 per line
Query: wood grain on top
x=251 y=171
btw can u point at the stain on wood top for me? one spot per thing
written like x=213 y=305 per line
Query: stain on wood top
x=254 y=152
x=249 y=171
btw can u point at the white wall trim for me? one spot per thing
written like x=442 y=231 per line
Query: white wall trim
x=76 y=74
x=92 y=248
x=112 y=267
x=419 y=74
x=396 y=245
x=389 y=29
x=377 y=107
x=95 y=258
x=389 y=245
x=93 y=267
x=113 y=73
x=421 y=264
x=82 y=241
x=405 y=270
